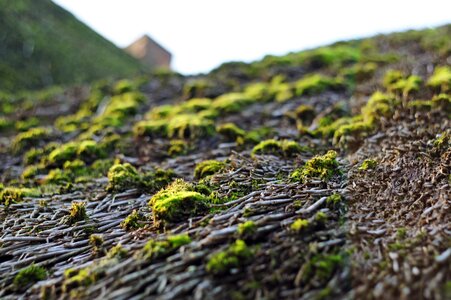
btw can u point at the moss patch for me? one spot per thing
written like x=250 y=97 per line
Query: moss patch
x=320 y=166
x=236 y=255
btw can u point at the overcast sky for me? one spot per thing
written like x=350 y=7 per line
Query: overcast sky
x=201 y=34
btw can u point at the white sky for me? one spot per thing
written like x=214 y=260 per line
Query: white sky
x=202 y=34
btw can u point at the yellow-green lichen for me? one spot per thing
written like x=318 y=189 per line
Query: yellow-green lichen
x=10 y=195
x=441 y=79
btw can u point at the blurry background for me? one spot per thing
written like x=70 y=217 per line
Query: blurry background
x=202 y=34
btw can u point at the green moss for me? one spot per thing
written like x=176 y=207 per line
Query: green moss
x=80 y=278
x=443 y=102
x=247 y=228
x=155 y=180
x=178 y=147
x=89 y=150
x=26 y=124
x=77 y=212
x=196 y=105
x=151 y=128
x=321 y=218
x=395 y=81
x=10 y=195
x=101 y=166
x=33 y=156
x=441 y=79
x=442 y=141
x=32 y=170
x=63 y=153
x=315 y=84
x=355 y=130
x=232 y=102
x=207 y=168
x=154 y=249
x=334 y=199
x=28 y=275
x=235 y=256
x=190 y=126
x=123 y=86
x=179 y=206
x=5 y=124
x=321 y=267
x=122 y=177
x=230 y=131
x=58 y=176
x=322 y=167
x=368 y=164
x=299 y=225
x=283 y=148
x=177 y=202
x=31 y=137
x=131 y=222
x=117 y=252
x=96 y=241
x=306 y=113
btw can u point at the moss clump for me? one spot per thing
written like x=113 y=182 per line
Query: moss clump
x=230 y=131
x=443 y=102
x=232 y=102
x=117 y=252
x=96 y=241
x=154 y=249
x=77 y=212
x=28 y=275
x=122 y=177
x=334 y=199
x=24 y=125
x=151 y=128
x=177 y=202
x=131 y=222
x=306 y=113
x=396 y=82
x=31 y=171
x=207 y=168
x=89 y=150
x=299 y=225
x=190 y=126
x=282 y=148
x=58 y=176
x=368 y=164
x=320 y=166
x=101 y=166
x=29 y=138
x=83 y=277
x=197 y=104
x=235 y=256
x=321 y=267
x=315 y=84
x=10 y=195
x=33 y=156
x=63 y=153
x=442 y=141
x=247 y=228
x=441 y=79
x=178 y=147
